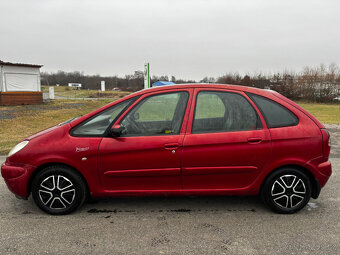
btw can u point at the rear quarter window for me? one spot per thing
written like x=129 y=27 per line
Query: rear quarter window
x=274 y=113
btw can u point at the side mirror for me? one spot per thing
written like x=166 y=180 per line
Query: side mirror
x=117 y=130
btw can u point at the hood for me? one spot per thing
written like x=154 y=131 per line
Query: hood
x=42 y=132
x=49 y=129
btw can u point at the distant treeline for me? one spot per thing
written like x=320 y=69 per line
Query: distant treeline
x=321 y=84
x=131 y=82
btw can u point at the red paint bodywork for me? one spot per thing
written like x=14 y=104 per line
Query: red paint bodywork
x=225 y=163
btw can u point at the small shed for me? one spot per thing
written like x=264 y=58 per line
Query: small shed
x=19 y=84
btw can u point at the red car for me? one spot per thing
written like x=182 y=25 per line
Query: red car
x=177 y=140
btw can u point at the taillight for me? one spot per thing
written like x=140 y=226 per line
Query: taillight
x=326 y=142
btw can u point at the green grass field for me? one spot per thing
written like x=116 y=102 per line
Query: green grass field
x=326 y=113
x=18 y=122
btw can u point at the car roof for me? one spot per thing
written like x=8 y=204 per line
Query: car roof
x=206 y=85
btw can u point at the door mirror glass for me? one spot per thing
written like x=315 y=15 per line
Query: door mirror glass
x=117 y=130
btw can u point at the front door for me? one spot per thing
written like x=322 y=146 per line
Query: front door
x=147 y=156
x=227 y=145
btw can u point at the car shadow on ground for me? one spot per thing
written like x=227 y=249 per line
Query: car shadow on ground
x=177 y=204
x=193 y=205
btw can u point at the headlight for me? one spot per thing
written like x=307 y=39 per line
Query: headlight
x=17 y=148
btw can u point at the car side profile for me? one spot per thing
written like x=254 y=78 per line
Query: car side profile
x=192 y=139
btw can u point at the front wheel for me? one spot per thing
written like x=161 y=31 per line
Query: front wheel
x=58 y=190
x=286 y=190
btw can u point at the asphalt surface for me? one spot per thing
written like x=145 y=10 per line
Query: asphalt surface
x=174 y=225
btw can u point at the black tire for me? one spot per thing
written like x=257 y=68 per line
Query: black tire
x=286 y=190
x=58 y=190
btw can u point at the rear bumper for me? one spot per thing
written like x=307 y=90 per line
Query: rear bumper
x=321 y=169
x=325 y=170
x=17 y=177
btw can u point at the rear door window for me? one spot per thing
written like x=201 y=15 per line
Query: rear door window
x=218 y=111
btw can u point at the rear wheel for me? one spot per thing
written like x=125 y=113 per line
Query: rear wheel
x=286 y=190
x=58 y=190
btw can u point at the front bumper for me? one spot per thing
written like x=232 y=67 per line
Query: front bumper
x=17 y=177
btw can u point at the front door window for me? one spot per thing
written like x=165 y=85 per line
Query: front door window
x=156 y=115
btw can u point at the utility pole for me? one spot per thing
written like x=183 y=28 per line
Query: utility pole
x=146 y=75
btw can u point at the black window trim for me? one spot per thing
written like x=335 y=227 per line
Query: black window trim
x=264 y=116
x=157 y=94
x=107 y=131
x=224 y=131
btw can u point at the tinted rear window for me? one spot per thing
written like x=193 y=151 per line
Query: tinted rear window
x=275 y=114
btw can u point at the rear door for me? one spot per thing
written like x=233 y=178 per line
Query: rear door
x=227 y=142
x=148 y=155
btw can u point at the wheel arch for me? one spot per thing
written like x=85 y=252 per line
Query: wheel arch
x=314 y=182
x=42 y=167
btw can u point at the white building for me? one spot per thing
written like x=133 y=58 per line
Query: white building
x=19 y=77
x=19 y=83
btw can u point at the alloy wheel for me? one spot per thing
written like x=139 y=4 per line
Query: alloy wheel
x=288 y=191
x=57 y=192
